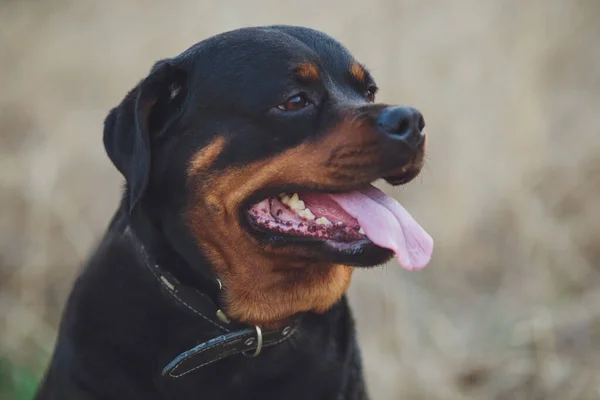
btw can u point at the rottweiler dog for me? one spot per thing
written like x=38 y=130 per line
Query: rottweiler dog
x=249 y=161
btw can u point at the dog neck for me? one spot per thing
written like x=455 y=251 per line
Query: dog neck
x=233 y=337
x=178 y=257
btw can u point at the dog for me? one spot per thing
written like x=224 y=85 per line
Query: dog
x=248 y=162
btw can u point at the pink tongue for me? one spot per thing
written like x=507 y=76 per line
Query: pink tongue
x=387 y=224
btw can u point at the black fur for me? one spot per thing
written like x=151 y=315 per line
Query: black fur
x=118 y=328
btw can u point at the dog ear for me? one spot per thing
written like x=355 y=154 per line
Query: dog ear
x=130 y=127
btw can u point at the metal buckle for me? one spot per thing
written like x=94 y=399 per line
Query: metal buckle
x=250 y=342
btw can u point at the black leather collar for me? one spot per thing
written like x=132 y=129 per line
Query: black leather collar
x=235 y=338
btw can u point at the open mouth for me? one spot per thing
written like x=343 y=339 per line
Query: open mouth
x=364 y=216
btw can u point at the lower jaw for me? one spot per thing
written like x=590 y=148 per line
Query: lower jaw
x=365 y=254
x=359 y=253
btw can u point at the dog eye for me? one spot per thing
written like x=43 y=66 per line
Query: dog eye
x=294 y=103
x=370 y=93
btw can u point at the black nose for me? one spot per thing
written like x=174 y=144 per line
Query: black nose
x=404 y=123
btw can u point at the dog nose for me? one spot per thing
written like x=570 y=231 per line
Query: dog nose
x=404 y=123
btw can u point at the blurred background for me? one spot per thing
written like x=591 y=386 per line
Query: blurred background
x=510 y=306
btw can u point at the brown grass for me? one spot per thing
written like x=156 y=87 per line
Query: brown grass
x=510 y=307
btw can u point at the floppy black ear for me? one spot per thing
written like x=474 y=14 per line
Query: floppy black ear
x=129 y=127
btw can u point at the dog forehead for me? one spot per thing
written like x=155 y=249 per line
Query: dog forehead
x=332 y=54
x=251 y=48
x=320 y=42
x=271 y=49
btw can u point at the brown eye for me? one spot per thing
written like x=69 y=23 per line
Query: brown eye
x=370 y=94
x=294 y=103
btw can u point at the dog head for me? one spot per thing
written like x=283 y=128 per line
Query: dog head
x=259 y=147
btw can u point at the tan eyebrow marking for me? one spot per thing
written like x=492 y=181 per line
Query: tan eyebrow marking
x=358 y=72
x=307 y=71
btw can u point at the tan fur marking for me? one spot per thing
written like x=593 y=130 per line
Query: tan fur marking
x=358 y=72
x=206 y=156
x=307 y=71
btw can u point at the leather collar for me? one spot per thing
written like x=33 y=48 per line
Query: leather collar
x=235 y=338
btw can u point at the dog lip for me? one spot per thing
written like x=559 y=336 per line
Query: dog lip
x=402 y=175
x=398 y=180
x=401 y=178
x=335 y=245
x=360 y=253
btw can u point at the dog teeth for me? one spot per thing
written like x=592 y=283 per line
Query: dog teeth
x=299 y=205
x=361 y=231
x=306 y=214
x=295 y=203
x=322 y=221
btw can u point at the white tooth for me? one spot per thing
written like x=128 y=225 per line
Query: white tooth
x=295 y=203
x=282 y=194
x=306 y=214
x=323 y=221
x=339 y=223
x=297 y=206
x=285 y=199
x=361 y=231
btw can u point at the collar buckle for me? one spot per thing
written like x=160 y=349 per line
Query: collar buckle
x=250 y=342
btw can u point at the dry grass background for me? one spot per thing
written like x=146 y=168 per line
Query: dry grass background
x=510 y=306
